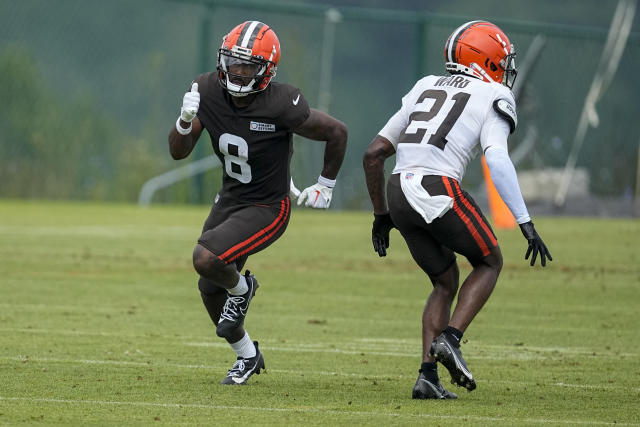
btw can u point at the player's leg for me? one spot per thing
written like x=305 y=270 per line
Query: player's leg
x=435 y=258
x=240 y=288
x=437 y=310
x=230 y=235
x=465 y=230
x=246 y=229
x=436 y=313
x=214 y=298
x=249 y=358
x=476 y=288
x=210 y=266
x=474 y=293
x=220 y=274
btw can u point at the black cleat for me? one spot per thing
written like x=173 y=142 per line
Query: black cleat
x=244 y=368
x=426 y=389
x=235 y=308
x=450 y=356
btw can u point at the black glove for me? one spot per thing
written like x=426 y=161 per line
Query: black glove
x=382 y=224
x=536 y=245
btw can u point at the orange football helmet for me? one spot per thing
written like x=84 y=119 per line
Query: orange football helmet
x=253 y=48
x=481 y=49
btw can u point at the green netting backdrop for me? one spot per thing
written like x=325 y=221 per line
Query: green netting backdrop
x=89 y=89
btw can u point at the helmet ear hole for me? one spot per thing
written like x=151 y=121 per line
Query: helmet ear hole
x=493 y=67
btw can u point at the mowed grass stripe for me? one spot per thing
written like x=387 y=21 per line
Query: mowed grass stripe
x=397 y=415
x=516 y=352
x=221 y=368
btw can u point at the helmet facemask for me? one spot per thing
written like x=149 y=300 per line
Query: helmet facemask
x=241 y=73
x=510 y=71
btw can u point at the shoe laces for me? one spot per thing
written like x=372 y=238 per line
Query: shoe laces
x=231 y=308
x=237 y=368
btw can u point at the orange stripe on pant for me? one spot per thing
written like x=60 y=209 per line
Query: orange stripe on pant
x=277 y=224
x=475 y=213
x=467 y=222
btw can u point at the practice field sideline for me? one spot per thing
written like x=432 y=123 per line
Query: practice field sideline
x=101 y=323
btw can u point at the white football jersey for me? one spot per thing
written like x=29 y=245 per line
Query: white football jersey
x=441 y=122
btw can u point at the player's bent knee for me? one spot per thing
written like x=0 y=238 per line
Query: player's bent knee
x=209 y=266
x=205 y=262
x=493 y=260
x=448 y=279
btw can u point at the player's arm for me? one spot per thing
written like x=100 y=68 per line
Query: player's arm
x=184 y=135
x=382 y=147
x=180 y=146
x=373 y=163
x=320 y=126
x=503 y=174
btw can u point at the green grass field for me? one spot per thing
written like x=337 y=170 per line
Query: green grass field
x=101 y=323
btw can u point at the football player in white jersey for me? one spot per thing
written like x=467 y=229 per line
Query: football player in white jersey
x=434 y=136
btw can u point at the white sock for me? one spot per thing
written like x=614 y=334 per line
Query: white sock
x=244 y=348
x=241 y=288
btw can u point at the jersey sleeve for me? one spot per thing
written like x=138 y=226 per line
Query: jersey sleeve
x=295 y=108
x=394 y=127
x=494 y=132
x=493 y=139
x=497 y=126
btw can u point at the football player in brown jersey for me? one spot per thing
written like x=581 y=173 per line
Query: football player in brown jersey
x=251 y=121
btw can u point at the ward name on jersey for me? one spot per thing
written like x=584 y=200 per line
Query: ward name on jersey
x=253 y=143
x=441 y=121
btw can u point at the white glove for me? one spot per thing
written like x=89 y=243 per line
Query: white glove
x=190 y=104
x=318 y=195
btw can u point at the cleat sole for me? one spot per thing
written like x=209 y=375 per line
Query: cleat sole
x=449 y=361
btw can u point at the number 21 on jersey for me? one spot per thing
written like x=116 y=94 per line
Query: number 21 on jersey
x=236 y=152
x=419 y=120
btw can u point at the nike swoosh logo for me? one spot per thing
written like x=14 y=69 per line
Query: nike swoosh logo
x=237 y=380
x=295 y=101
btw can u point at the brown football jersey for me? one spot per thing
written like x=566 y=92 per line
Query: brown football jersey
x=253 y=143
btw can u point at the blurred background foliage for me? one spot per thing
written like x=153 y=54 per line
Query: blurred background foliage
x=90 y=89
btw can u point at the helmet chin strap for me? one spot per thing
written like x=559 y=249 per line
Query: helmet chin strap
x=238 y=93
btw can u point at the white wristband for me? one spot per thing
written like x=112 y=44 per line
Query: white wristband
x=326 y=181
x=181 y=130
